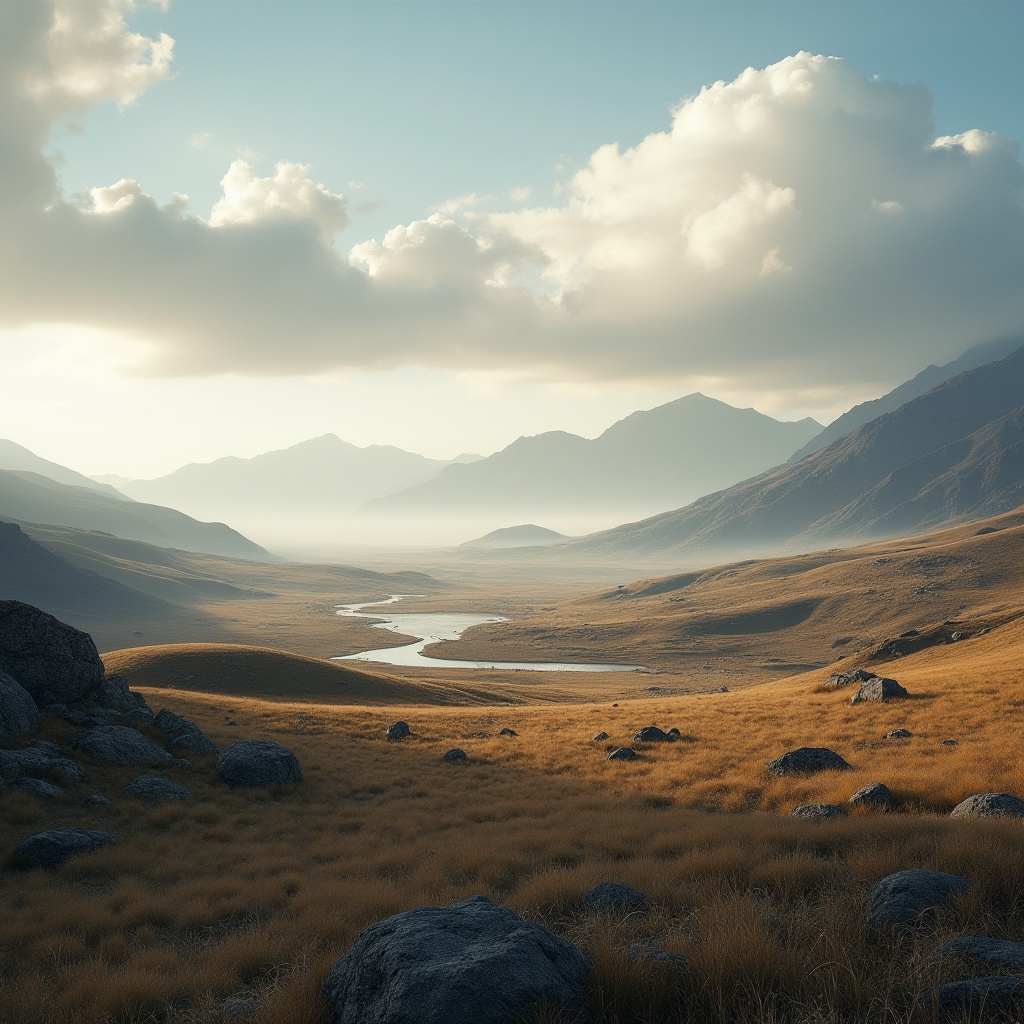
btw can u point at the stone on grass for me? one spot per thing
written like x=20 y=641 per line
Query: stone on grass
x=472 y=962
x=878 y=689
x=989 y=805
x=51 y=849
x=118 y=744
x=36 y=762
x=979 y=1000
x=805 y=760
x=614 y=898
x=397 y=731
x=53 y=661
x=652 y=734
x=819 y=812
x=977 y=954
x=623 y=754
x=181 y=734
x=508 y=732
x=600 y=736
x=874 y=794
x=19 y=715
x=950 y=743
x=113 y=694
x=841 y=679
x=258 y=763
x=152 y=787
x=455 y=754
x=98 y=801
x=902 y=898
x=898 y=734
x=37 y=787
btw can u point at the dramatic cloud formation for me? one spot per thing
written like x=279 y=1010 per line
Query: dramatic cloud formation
x=797 y=224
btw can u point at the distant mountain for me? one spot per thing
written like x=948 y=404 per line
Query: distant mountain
x=38 y=499
x=526 y=536
x=950 y=455
x=644 y=462
x=931 y=377
x=18 y=459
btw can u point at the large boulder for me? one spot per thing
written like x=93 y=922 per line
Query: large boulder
x=902 y=898
x=876 y=795
x=819 y=812
x=55 y=662
x=979 y=1000
x=181 y=734
x=118 y=744
x=469 y=963
x=989 y=805
x=806 y=760
x=614 y=898
x=652 y=734
x=114 y=695
x=623 y=754
x=258 y=763
x=19 y=715
x=36 y=762
x=152 y=787
x=397 y=731
x=981 y=955
x=878 y=688
x=51 y=849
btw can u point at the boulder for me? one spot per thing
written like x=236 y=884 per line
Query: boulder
x=258 y=763
x=674 y=733
x=989 y=805
x=472 y=962
x=181 y=734
x=874 y=794
x=51 y=849
x=898 y=734
x=841 y=679
x=878 y=689
x=902 y=898
x=659 y=958
x=819 y=812
x=19 y=715
x=98 y=801
x=397 y=731
x=600 y=736
x=36 y=762
x=55 y=662
x=113 y=694
x=980 y=955
x=84 y=717
x=152 y=787
x=139 y=716
x=978 y=1000
x=37 y=787
x=118 y=744
x=455 y=754
x=508 y=732
x=805 y=760
x=652 y=734
x=614 y=898
x=623 y=754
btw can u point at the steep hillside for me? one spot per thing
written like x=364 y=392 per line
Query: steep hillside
x=18 y=459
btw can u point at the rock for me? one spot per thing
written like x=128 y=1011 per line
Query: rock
x=468 y=963
x=978 y=1000
x=113 y=694
x=805 y=760
x=397 y=731
x=898 y=734
x=37 y=787
x=878 y=689
x=508 y=732
x=950 y=743
x=117 y=744
x=989 y=805
x=841 y=679
x=55 y=662
x=231 y=722
x=975 y=953
x=36 y=762
x=600 y=736
x=139 y=716
x=181 y=734
x=19 y=715
x=614 y=898
x=184 y=764
x=652 y=734
x=901 y=898
x=258 y=763
x=874 y=794
x=97 y=801
x=152 y=787
x=47 y=745
x=623 y=754
x=455 y=754
x=674 y=733
x=51 y=849
x=655 y=957
x=819 y=812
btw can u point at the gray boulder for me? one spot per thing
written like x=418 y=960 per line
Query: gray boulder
x=469 y=963
x=902 y=898
x=989 y=805
x=806 y=760
x=652 y=734
x=819 y=812
x=152 y=787
x=978 y=1000
x=139 y=716
x=507 y=732
x=55 y=662
x=878 y=689
x=98 y=801
x=623 y=754
x=874 y=794
x=181 y=734
x=117 y=744
x=114 y=695
x=36 y=762
x=455 y=754
x=19 y=715
x=976 y=954
x=898 y=734
x=600 y=736
x=258 y=763
x=397 y=731
x=841 y=679
x=37 y=787
x=614 y=898
x=51 y=849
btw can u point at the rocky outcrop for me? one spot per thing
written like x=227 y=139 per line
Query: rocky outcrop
x=614 y=898
x=841 y=679
x=51 y=849
x=181 y=734
x=468 y=963
x=806 y=761
x=118 y=744
x=114 y=695
x=258 y=763
x=19 y=715
x=989 y=805
x=904 y=897
x=878 y=689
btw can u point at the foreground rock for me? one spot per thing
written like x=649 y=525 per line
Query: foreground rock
x=455 y=754
x=397 y=731
x=875 y=794
x=51 y=849
x=652 y=734
x=114 y=695
x=977 y=999
x=258 y=763
x=977 y=954
x=55 y=662
x=152 y=787
x=819 y=812
x=181 y=734
x=622 y=754
x=37 y=787
x=37 y=762
x=877 y=689
x=806 y=760
x=469 y=963
x=19 y=715
x=614 y=898
x=989 y=805
x=118 y=744
x=902 y=898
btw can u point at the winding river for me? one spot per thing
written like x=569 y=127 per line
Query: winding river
x=434 y=627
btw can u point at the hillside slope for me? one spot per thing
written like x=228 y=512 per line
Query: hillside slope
x=16 y=458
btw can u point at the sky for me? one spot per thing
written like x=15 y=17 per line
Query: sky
x=227 y=227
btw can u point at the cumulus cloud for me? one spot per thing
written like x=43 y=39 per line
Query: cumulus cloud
x=797 y=224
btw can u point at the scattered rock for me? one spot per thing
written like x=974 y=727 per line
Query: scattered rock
x=231 y=722
x=37 y=787
x=53 y=661
x=469 y=963
x=397 y=731
x=623 y=754
x=139 y=716
x=614 y=898
x=806 y=760
x=152 y=787
x=957 y=636
x=35 y=762
x=878 y=689
x=113 y=694
x=182 y=734
x=19 y=715
x=258 y=763
x=98 y=801
x=600 y=736
x=974 y=953
x=950 y=743
x=819 y=812
x=901 y=898
x=652 y=734
x=875 y=794
x=989 y=805
x=898 y=734
x=117 y=744
x=51 y=849
x=841 y=679
x=455 y=754
x=508 y=732
x=674 y=733
x=977 y=999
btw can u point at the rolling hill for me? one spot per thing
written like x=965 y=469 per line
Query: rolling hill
x=18 y=459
